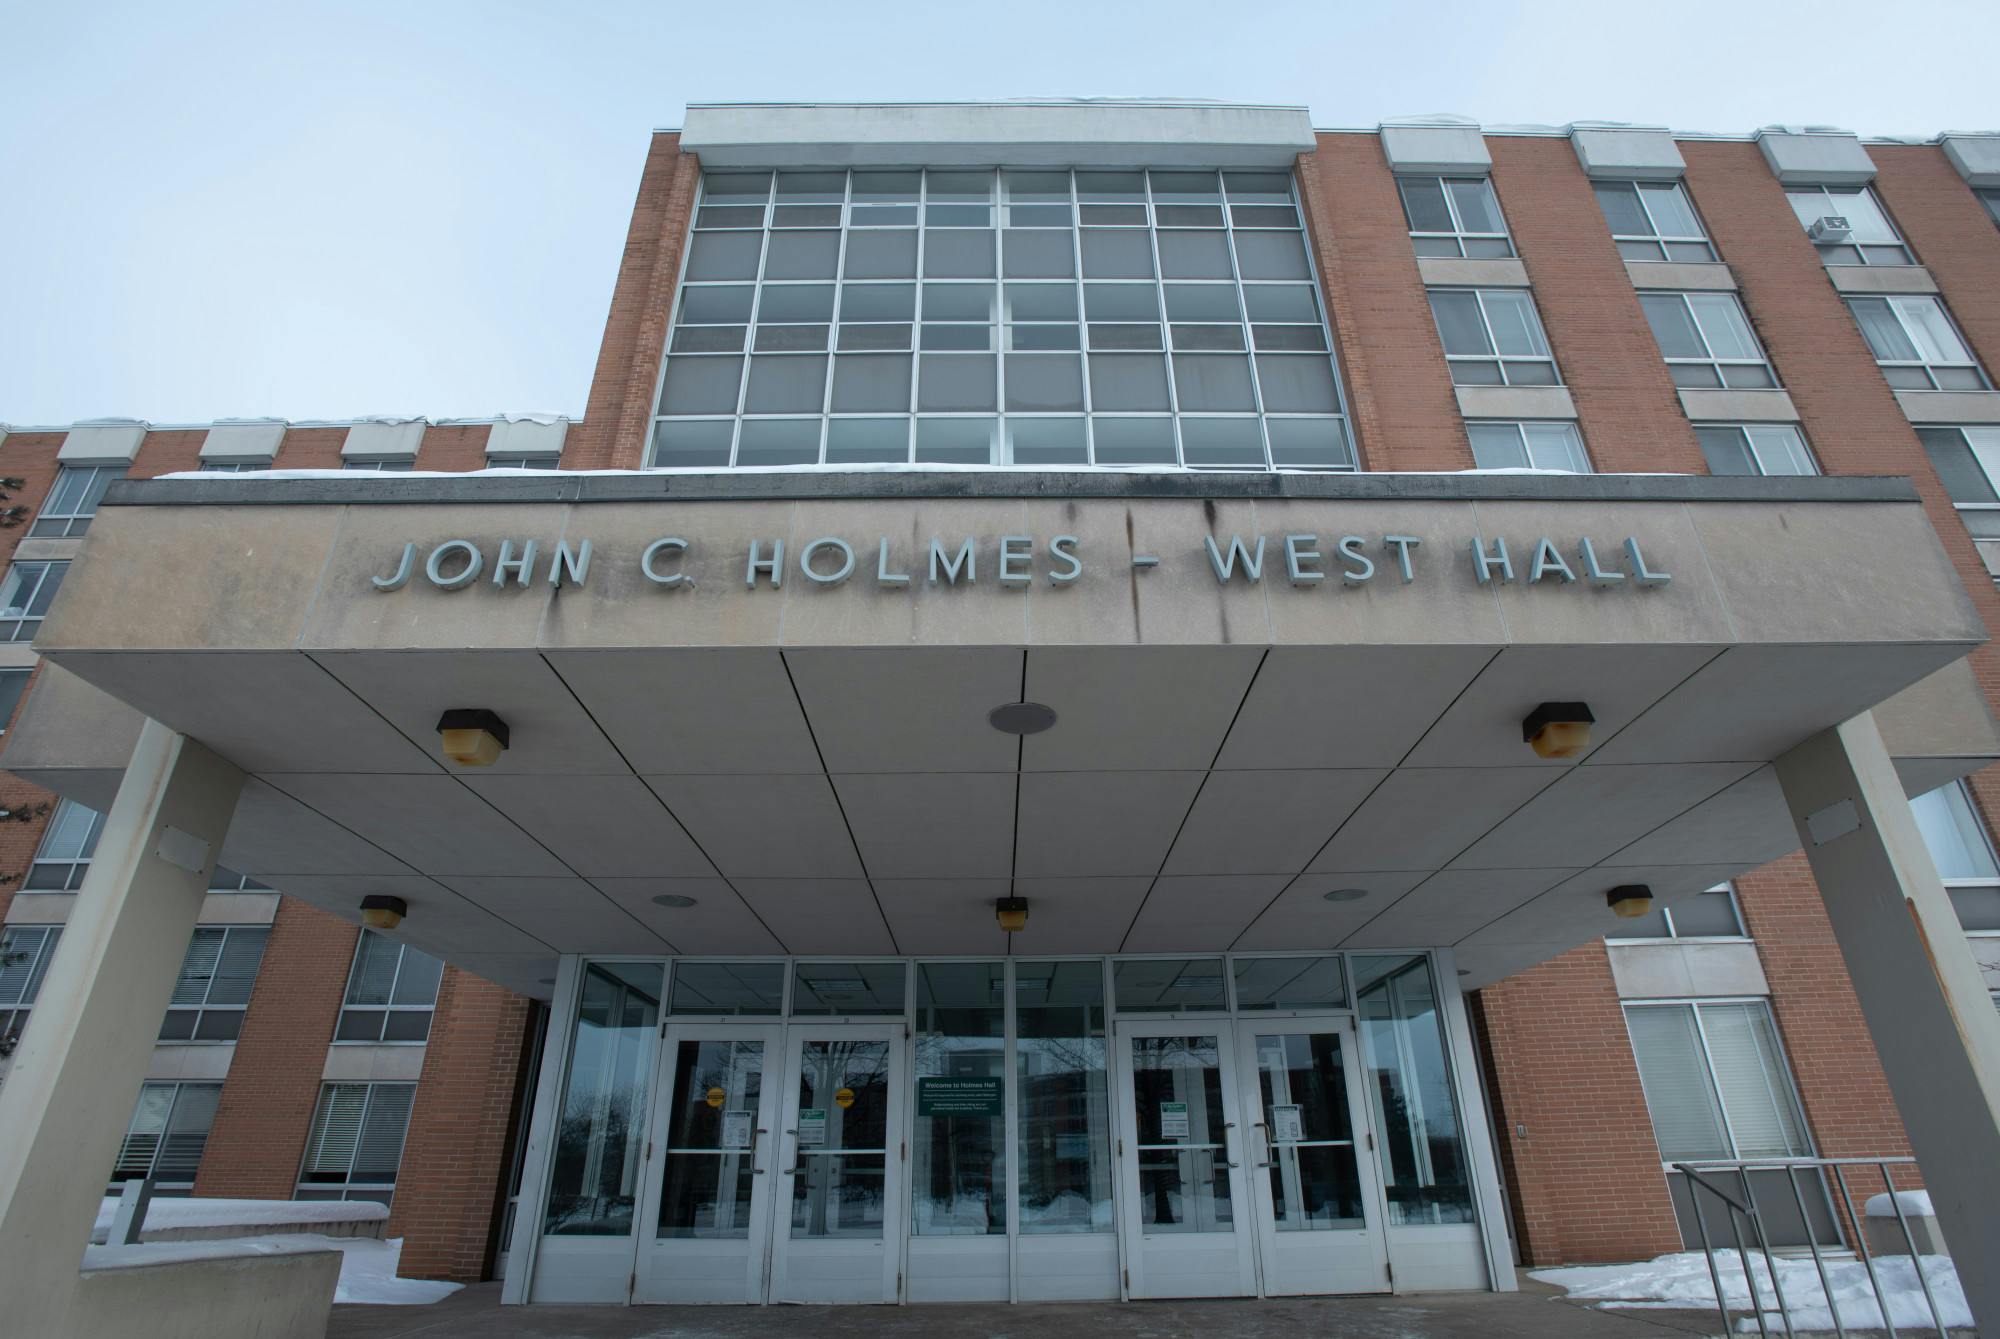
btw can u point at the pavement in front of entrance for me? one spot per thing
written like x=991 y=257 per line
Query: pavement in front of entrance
x=1534 y=1313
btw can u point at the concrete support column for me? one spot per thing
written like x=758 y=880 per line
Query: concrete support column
x=1927 y=1009
x=68 y=1099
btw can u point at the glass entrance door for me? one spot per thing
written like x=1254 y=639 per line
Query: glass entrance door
x=704 y=1227
x=1313 y=1184
x=1180 y=1162
x=841 y=1142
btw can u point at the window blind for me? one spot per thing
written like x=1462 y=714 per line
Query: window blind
x=1757 y=1095
x=1687 y=1122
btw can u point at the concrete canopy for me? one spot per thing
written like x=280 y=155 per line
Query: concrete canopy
x=811 y=763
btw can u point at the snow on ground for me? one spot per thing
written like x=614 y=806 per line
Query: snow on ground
x=1682 y=1279
x=165 y=1212
x=367 y=1266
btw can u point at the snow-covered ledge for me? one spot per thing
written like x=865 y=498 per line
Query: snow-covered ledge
x=198 y=1290
x=219 y=1219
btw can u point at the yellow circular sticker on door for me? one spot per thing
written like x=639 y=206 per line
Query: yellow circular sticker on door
x=844 y=1098
x=716 y=1097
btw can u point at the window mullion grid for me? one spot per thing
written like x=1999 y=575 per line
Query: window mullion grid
x=361 y=1135
x=1166 y=331
x=839 y=305
x=1492 y=341
x=1082 y=325
x=1243 y=318
x=918 y=317
x=1325 y=313
x=1714 y=1079
x=996 y=323
x=756 y=316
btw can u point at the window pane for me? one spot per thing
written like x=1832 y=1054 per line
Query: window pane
x=1308 y=443
x=1164 y=985
x=1863 y=215
x=1186 y=254
x=1116 y=253
x=1046 y=441
x=864 y=383
x=951 y=253
x=701 y=386
x=1780 y=450
x=1297 y=384
x=1044 y=381
x=1459 y=324
x=1954 y=836
x=855 y=441
x=1687 y=1121
x=785 y=385
x=1181 y=1184
x=381 y=1146
x=1041 y=302
x=1122 y=381
x=1478 y=208
x=236 y=967
x=593 y=1181
x=1711 y=914
x=1423 y=1159
x=142 y=1136
x=784 y=441
x=956 y=382
x=1423 y=204
x=336 y=1130
x=1555 y=446
x=1039 y=254
x=1756 y=1086
x=187 y=1134
x=1497 y=446
x=1283 y=303
x=1226 y=443
x=728 y=989
x=707 y=1194
x=374 y=969
x=1203 y=302
x=1931 y=330
x=1271 y=255
x=1673 y=215
x=724 y=255
x=1515 y=329
x=1882 y=330
x=1722 y=322
x=692 y=445
x=959 y=1161
x=1620 y=203
x=197 y=967
x=1065 y=1121
x=847 y=988
x=1212 y=382
x=1290 y=983
x=1727 y=451
x=1673 y=327
x=796 y=302
x=1133 y=441
x=878 y=302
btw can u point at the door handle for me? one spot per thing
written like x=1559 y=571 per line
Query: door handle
x=755 y=1138
x=1268 y=1161
x=793 y=1170
x=1227 y=1126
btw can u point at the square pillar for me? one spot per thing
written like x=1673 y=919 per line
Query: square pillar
x=1927 y=1009
x=68 y=1099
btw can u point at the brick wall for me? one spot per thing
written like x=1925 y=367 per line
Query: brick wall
x=1398 y=388
x=613 y=432
x=31 y=458
x=455 y=1159
x=1584 y=1182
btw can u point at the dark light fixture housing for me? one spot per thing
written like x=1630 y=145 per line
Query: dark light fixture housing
x=1012 y=913
x=1629 y=901
x=1558 y=729
x=673 y=900
x=1345 y=894
x=472 y=736
x=380 y=911
x=1021 y=718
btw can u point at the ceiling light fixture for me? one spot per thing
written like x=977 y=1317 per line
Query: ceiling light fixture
x=673 y=900
x=1558 y=729
x=1021 y=718
x=472 y=736
x=1345 y=894
x=1011 y=912
x=380 y=911
x=1629 y=901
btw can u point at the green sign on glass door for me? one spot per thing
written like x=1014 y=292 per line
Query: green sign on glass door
x=958 y=1097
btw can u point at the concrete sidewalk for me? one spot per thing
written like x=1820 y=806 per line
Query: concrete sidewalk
x=1537 y=1312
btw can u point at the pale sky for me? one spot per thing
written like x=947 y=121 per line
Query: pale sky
x=312 y=210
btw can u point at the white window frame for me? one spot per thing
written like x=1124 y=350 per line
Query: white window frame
x=13 y=687
x=1757 y=451
x=525 y=460
x=381 y=1012
x=235 y=466
x=1502 y=362
x=1986 y=840
x=1674 y=936
x=1693 y=304
x=16 y=1005
x=1897 y=306
x=1791 y=1087
x=378 y=464
x=34 y=577
x=1577 y=459
x=1660 y=243
x=88 y=482
x=75 y=867
x=1990 y=197
x=202 y=1008
x=1895 y=250
x=1459 y=235
x=180 y=1091
x=317 y=1130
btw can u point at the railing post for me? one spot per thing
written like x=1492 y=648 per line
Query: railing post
x=1916 y=1260
x=1764 y=1242
x=1707 y=1251
x=1819 y=1261
x=1861 y=1240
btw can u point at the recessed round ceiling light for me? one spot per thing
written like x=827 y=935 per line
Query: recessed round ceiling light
x=672 y=900
x=1345 y=894
x=1021 y=718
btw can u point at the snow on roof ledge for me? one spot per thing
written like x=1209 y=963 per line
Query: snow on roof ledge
x=1080 y=132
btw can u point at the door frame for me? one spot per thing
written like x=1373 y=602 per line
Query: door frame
x=1259 y=1149
x=894 y=1034
x=649 y=1253
x=1131 y=1233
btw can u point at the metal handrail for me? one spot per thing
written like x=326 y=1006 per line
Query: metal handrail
x=1699 y=1176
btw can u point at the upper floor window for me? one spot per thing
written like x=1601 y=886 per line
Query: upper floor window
x=1963 y=855
x=1990 y=197
x=391 y=991
x=1708 y=915
x=1707 y=340
x=73 y=501
x=234 y=466
x=1915 y=342
x=1848 y=225
x=67 y=845
x=551 y=460
x=1755 y=448
x=1653 y=220
x=1539 y=446
x=355 y=1145
x=1454 y=216
x=1716 y=1080
x=25 y=596
x=167 y=1136
x=1492 y=337
x=1967 y=461
x=214 y=985
x=400 y=464
x=1119 y=318
x=13 y=683
x=25 y=951
x=226 y=880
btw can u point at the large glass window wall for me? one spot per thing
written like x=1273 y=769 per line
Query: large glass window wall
x=1137 y=318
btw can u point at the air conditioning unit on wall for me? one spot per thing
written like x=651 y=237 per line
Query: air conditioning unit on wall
x=1830 y=228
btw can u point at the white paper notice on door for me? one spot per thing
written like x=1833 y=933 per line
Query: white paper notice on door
x=735 y=1129
x=812 y=1127
x=1286 y=1127
x=1173 y=1120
